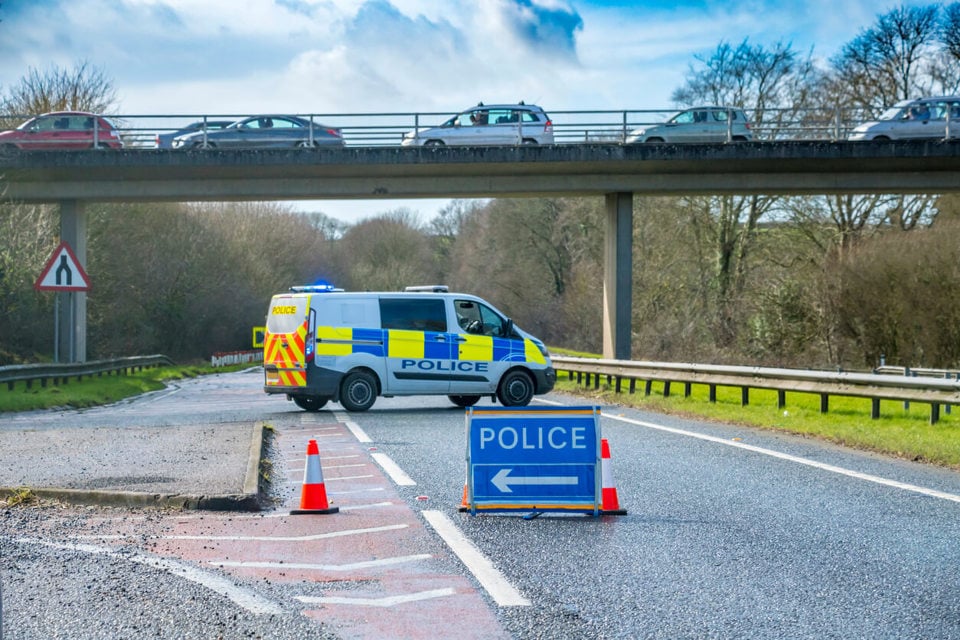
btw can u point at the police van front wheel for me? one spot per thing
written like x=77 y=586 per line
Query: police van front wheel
x=464 y=401
x=310 y=403
x=515 y=390
x=358 y=391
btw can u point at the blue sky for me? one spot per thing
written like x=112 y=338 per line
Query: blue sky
x=349 y=56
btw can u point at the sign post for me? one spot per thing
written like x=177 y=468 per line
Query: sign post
x=534 y=459
x=63 y=274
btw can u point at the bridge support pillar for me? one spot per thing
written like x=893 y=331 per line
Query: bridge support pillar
x=618 y=276
x=72 y=320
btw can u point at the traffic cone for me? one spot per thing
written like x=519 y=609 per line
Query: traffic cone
x=610 y=505
x=313 y=497
x=465 y=502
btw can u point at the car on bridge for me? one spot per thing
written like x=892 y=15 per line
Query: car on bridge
x=165 y=140
x=699 y=124
x=486 y=125
x=264 y=132
x=913 y=120
x=63 y=130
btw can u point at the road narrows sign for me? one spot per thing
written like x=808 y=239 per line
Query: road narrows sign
x=63 y=272
x=534 y=459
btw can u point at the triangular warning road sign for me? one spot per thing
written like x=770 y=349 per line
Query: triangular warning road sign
x=63 y=272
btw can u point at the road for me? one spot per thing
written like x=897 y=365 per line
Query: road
x=731 y=533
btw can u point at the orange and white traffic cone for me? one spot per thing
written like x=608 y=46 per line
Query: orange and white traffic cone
x=465 y=502
x=313 y=497
x=610 y=505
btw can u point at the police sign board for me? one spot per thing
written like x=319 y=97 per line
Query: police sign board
x=533 y=459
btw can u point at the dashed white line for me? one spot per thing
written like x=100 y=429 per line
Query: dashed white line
x=357 y=432
x=392 y=469
x=489 y=577
x=319 y=536
x=388 y=601
x=352 y=566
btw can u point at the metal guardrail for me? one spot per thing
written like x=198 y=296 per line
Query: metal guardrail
x=876 y=386
x=61 y=373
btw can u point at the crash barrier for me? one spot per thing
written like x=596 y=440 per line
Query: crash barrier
x=224 y=359
x=875 y=386
x=60 y=373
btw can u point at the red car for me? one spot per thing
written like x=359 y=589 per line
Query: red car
x=63 y=130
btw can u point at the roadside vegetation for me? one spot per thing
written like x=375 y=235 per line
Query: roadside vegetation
x=819 y=282
x=93 y=390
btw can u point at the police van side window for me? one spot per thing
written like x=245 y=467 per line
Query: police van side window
x=480 y=319
x=417 y=314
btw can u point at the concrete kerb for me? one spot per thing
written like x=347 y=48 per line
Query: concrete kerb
x=248 y=500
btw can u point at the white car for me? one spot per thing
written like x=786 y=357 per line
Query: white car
x=913 y=119
x=699 y=124
x=495 y=124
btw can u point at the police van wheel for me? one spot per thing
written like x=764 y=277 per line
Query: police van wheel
x=310 y=403
x=464 y=401
x=515 y=390
x=358 y=391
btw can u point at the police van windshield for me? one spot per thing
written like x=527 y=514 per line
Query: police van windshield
x=480 y=319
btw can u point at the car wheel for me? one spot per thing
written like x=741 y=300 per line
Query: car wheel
x=882 y=138
x=464 y=401
x=515 y=390
x=310 y=403
x=529 y=141
x=305 y=144
x=739 y=139
x=100 y=145
x=204 y=145
x=654 y=140
x=434 y=143
x=8 y=148
x=358 y=391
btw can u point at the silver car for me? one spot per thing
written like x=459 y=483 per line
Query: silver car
x=699 y=124
x=494 y=124
x=165 y=140
x=913 y=119
x=262 y=132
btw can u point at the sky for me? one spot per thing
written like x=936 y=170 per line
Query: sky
x=196 y=57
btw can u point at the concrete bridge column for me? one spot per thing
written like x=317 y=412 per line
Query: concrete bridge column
x=72 y=323
x=618 y=276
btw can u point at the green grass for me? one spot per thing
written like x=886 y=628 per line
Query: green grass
x=92 y=391
x=899 y=431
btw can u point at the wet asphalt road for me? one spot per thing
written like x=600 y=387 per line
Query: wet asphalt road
x=731 y=532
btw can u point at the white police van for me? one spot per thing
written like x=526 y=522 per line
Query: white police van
x=323 y=344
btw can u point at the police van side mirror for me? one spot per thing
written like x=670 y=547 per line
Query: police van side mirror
x=508 y=329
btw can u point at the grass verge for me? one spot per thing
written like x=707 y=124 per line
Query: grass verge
x=93 y=391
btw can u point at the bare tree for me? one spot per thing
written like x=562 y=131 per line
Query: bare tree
x=82 y=88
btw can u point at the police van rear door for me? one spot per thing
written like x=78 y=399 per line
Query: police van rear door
x=288 y=343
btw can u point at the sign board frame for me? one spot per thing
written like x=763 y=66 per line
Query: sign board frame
x=68 y=260
x=533 y=459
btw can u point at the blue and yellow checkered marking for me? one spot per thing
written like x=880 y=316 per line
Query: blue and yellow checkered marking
x=397 y=343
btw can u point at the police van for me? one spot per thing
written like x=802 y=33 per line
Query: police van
x=350 y=347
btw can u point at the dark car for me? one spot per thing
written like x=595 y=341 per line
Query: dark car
x=63 y=130
x=165 y=140
x=260 y=132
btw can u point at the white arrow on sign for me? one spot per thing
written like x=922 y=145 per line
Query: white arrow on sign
x=503 y=480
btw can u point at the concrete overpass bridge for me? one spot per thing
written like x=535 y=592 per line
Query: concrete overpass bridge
x=616 y=172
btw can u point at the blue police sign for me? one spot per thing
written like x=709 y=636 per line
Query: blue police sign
x=533 y=459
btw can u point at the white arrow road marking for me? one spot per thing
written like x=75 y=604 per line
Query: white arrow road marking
x=366 y=564
x=388 y=601
x=249 y=600
x=503 y=480
x=319 y=536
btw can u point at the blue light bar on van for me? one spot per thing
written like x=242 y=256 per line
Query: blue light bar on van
x=314 y=288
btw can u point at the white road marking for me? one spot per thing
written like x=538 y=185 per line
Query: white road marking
x=489 y=577
x=388 y=601
x=357 y=432
x=933 y=493
x=348 y=478
x=392 y=469
x=249 y=600
x=319 y=536
x=344 y=466
x=361 y=507
x=352 y=566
